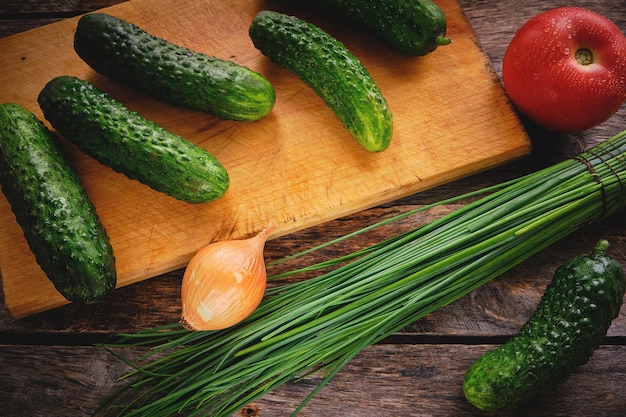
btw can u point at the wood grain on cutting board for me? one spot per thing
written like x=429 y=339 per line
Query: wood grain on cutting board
x=297 y=167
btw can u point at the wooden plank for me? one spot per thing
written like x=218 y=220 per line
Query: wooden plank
x=495 y=310
x=297 y=167
x=384 y=380
x=23 y=7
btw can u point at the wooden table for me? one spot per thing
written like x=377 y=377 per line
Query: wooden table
x=49 y=365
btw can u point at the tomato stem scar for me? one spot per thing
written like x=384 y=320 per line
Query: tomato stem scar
x=584 y=56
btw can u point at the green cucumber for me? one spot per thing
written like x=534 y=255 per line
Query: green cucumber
x=328 y=67
x=568 y=325
x=53 y=209
x=172 y=73
x=414 y=27
x=122 y=139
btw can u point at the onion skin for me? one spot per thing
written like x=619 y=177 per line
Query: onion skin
x=224 y=283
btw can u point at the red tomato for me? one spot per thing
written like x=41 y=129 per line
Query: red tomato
x=566 y=69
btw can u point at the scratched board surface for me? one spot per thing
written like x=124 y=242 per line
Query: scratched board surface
x=297 y=167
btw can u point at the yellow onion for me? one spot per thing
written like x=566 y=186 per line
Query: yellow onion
x=224 y=283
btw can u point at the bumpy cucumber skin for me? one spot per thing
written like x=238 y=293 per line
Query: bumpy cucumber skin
x=51 y=206
x=413 y=27
x=328 y=67
x=568 y=325
x=130 y=55
x=120 y=138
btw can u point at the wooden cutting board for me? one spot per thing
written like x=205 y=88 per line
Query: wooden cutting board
x=296 y=167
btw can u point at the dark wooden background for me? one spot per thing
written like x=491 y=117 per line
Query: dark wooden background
x=49 y=366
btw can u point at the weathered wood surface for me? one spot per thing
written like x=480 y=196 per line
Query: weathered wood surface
x=48 y=366
x=420 y=379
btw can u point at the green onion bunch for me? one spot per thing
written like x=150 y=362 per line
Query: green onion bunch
x=321 y=323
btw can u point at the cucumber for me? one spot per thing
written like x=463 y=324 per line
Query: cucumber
x=330 y=69
x=568 y=325
x=172 y=73
x=413 y=27
x=120 y=138
x=53 y=209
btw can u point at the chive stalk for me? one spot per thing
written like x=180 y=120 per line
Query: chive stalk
x=320 y=324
